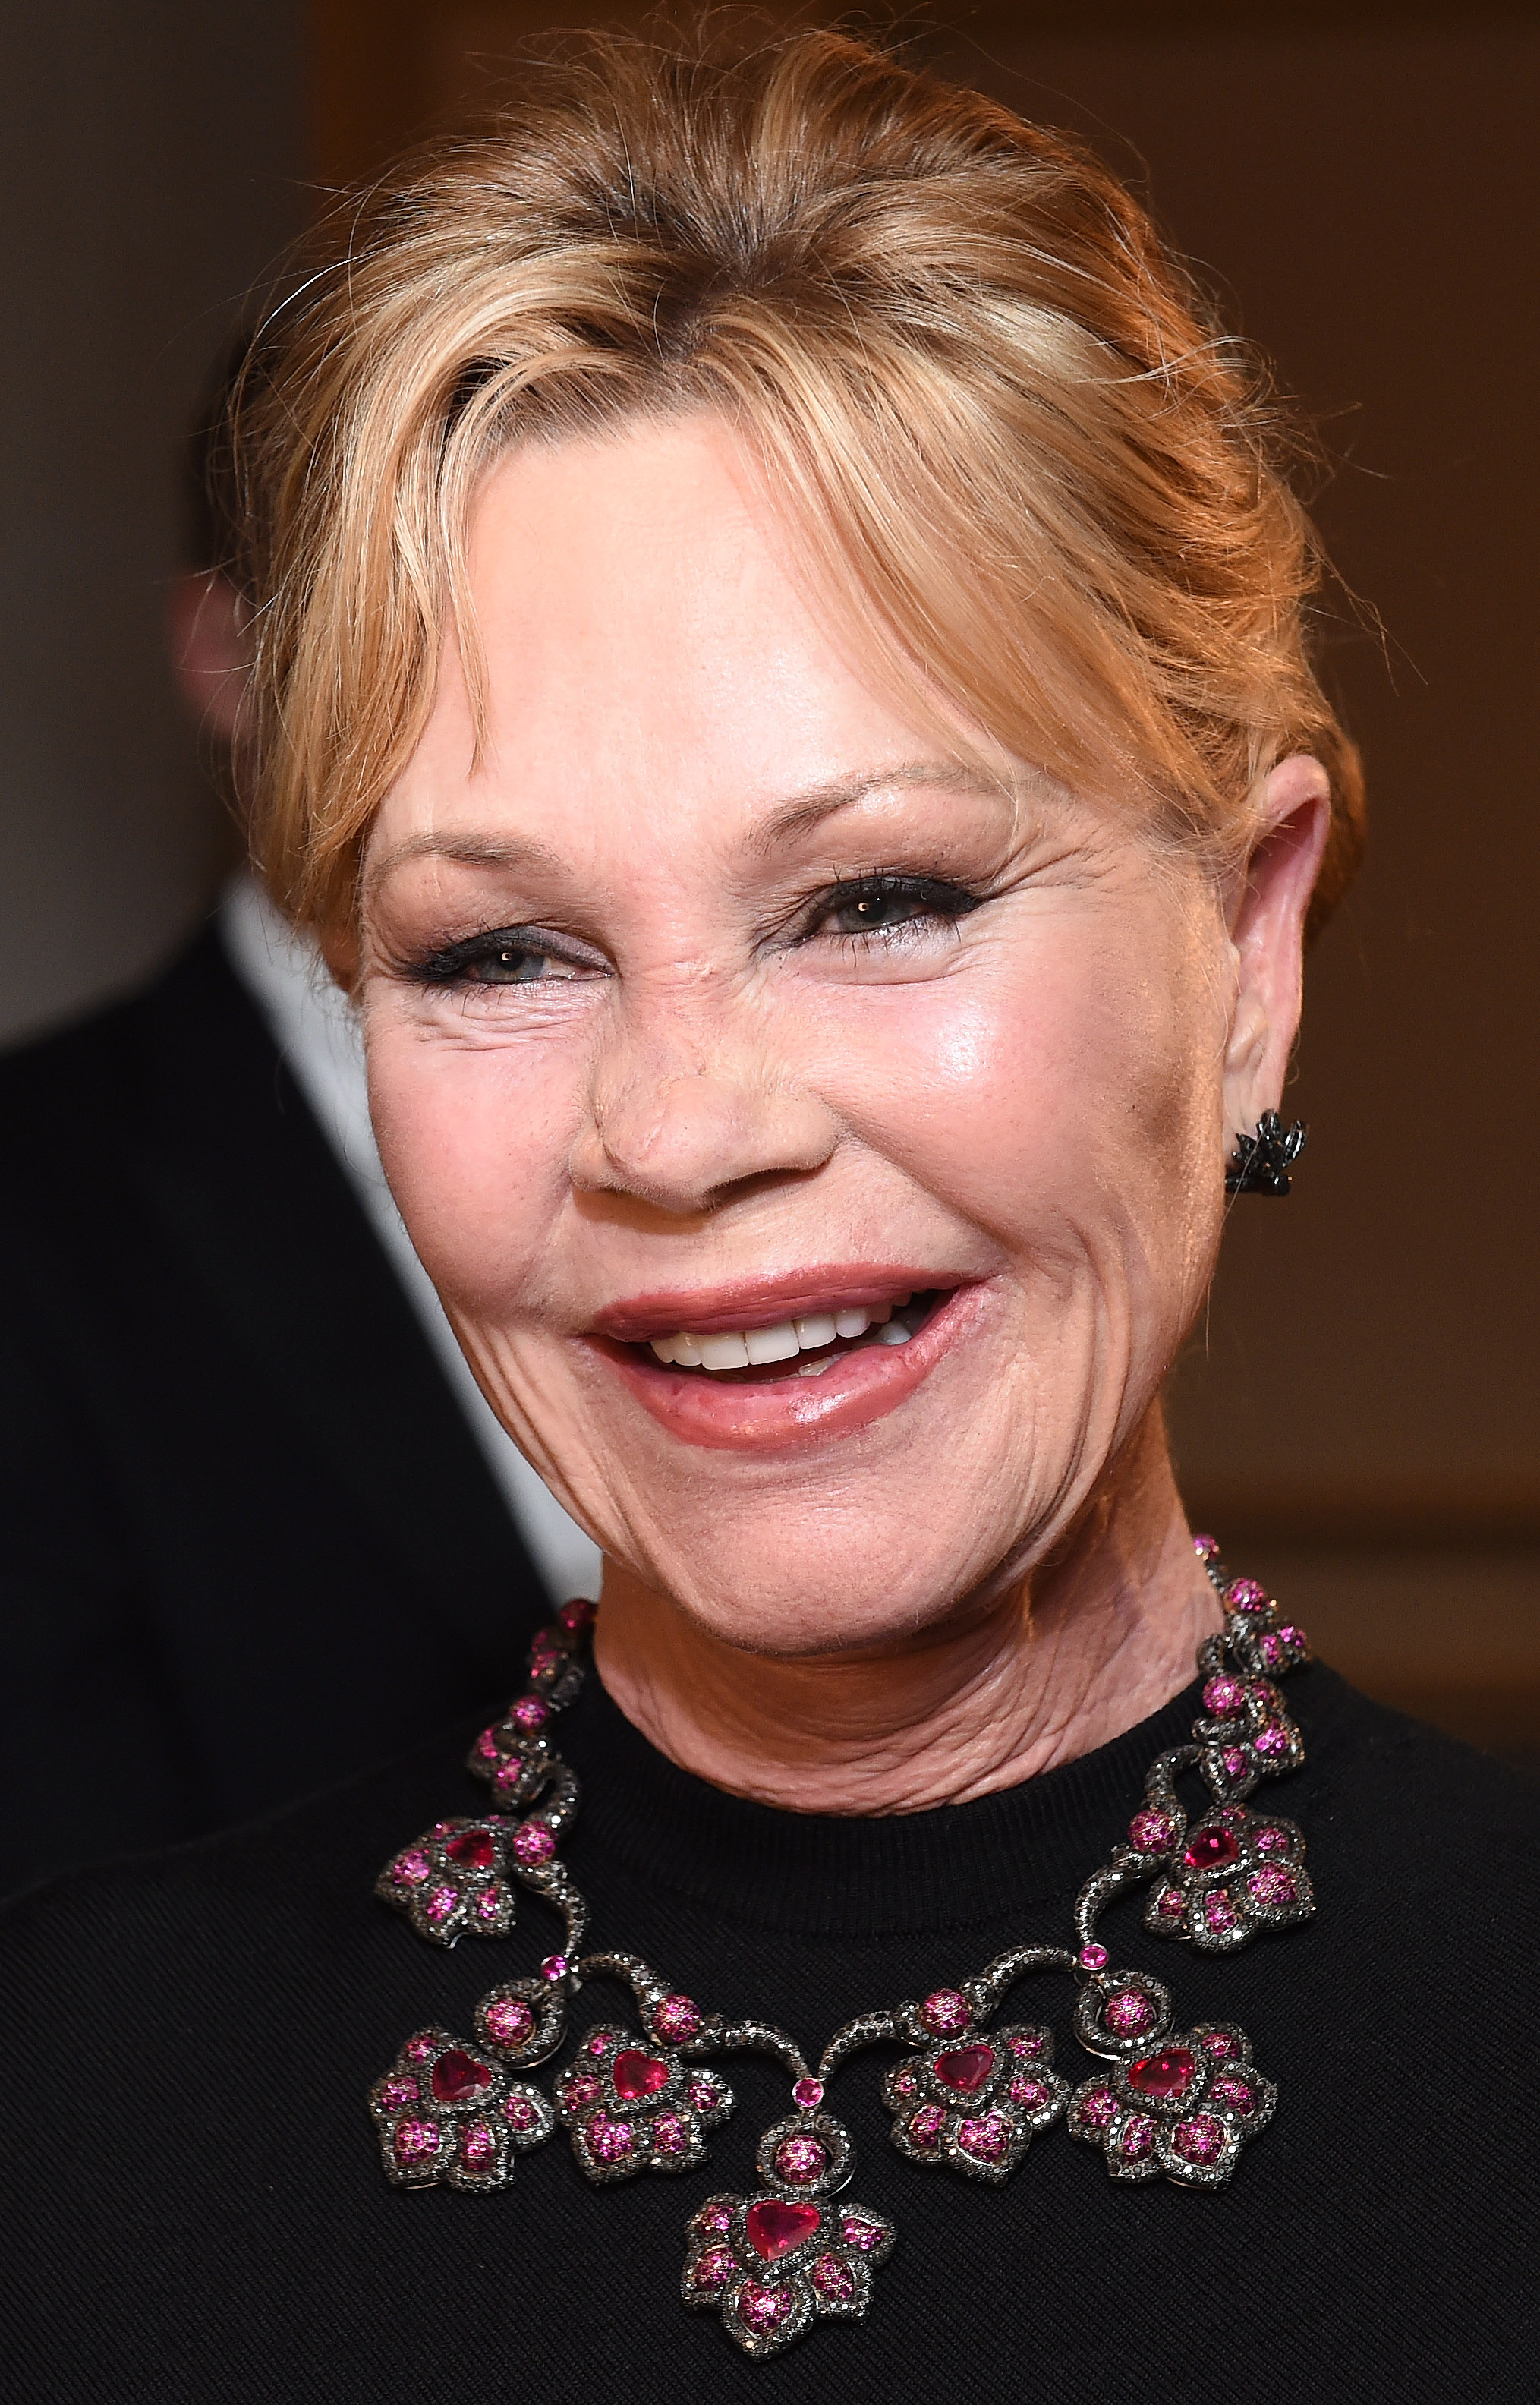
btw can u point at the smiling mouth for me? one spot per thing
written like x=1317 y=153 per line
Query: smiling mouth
x=791 y=1348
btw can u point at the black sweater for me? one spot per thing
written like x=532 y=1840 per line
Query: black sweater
x=194 y=2208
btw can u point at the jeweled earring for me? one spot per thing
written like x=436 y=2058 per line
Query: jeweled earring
x=1260 y=1164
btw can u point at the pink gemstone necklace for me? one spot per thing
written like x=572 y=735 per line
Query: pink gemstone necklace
x=966 y=2094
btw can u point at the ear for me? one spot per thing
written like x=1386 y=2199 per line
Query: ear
x=1267 y=931
x=209 y=650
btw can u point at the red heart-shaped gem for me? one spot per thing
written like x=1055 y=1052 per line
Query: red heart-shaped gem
x=773 y=2228
x=474 y=1847
x=966 y=2069
x=1167 y=2076
x=635 y=2073
x=457 y=2076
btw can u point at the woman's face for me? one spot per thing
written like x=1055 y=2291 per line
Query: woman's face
x=717 y=996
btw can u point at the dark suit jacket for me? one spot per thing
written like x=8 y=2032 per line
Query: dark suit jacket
x=247 y=1543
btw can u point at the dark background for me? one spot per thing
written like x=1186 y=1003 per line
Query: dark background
x=1360 y=1416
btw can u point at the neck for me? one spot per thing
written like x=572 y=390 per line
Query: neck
x=1094 y=1640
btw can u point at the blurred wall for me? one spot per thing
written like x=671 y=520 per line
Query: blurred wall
x=153 y=157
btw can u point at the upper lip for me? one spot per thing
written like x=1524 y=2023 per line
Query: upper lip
x=765 y=1302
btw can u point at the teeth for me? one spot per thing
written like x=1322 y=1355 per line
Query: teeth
x=757 y=1347
x=723 y=1352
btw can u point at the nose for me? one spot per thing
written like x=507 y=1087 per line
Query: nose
x=679 y=1124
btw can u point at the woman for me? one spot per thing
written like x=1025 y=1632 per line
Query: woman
x=781 y=684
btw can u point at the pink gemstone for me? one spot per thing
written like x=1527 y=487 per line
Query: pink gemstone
x=1029 y=2092
x=1206 y=1548
x=1244 y=1595
x=1151 y=1832
x=834 y=2279
x=1137 y=2138
x=704 y=2093
x=394 y=2093
x=529 y=1713
x=1236 y=2093
x=415 y=2141
x=808 y=2094
x=581 y=2087
x=577 y=1614
x=1272 y=1841
x=988 y=2137
x=1210 y=1849
x=1234 y=1762
x=1026 y=2044
x=800 y=2160
x=1166 y=2076
x=544 y=1653
x=1219 y=1912
x=967 y=2069
x=946 y=2012
x=1201 y=2140
x=478 y=2147
x=713 y=2270
x=521 y=2113
x=905 y=2084
x=418 y=2049
x=506 y=1779
x=1218 y=2042
x=1274 y=1655
x=488 y=1746
x=475 y=1848
x=1272 y=1886
x=670 y=2136
x=410 y=1869
x=1093 y=1958
x=610 y=2142
x=1171 y=1904
x=440 y=1903
x=553 y=1967
x=1096 y=2109
x=600 y=2043
x=926 y=2126
x=533 y=1844
x=762 y=2309
x=717 y=2218
x=863 y=2235
x=676 y=2019
x=635 y=2073
x=773 y=2227
x=457 y=2077
x=1128 y=2014
x=1293 y=1638
x=509 y=2020
x=1224 y=1697
x=1271 y=1740
x=491 y=1905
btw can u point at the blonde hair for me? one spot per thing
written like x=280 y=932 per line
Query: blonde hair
x=1015 y=437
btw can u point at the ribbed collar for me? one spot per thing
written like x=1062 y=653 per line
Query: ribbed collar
x=809 y=1873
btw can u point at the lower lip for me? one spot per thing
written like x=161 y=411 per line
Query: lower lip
x=862 y=1387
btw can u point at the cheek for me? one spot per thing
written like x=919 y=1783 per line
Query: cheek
x=473 y=1147
x=1058 y=1100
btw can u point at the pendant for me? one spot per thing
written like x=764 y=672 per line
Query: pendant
x=633 y=2106
x=445 y=2112
x=774 y=2263
x=1180 y=2105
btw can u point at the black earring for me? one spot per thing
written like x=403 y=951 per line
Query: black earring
x=1260 y=1164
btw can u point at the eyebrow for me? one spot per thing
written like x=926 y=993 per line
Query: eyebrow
x=800 y=814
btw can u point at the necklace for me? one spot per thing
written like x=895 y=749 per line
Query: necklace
x=965 y=2095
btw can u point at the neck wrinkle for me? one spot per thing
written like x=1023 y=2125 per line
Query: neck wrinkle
x=1099 y=1636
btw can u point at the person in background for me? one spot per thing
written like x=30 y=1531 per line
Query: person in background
x=258 y=1527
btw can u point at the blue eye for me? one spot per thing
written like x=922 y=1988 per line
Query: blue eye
x=876 y=905
x=501 y=956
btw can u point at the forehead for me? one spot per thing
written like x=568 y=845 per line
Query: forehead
x=647 y=636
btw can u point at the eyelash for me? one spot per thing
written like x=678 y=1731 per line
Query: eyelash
x=934 y=899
